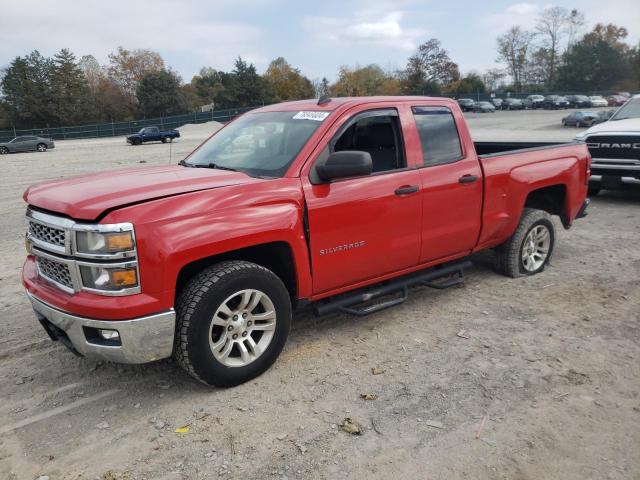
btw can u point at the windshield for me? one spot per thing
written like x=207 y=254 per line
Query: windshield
x=258 y=144
x=631 y=109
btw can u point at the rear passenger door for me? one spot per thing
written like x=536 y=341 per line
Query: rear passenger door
x=451 y=184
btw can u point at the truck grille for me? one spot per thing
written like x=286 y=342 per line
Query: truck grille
x=614 y=146
x=47 y=234
x=56 y=272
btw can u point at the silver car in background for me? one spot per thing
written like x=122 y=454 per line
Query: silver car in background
x=27 y=143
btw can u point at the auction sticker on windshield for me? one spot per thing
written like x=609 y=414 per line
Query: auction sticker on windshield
x=317 y=116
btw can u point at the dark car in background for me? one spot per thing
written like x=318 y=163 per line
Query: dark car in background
x=555 y=102
x=497 y=102
x=512 y=104
x=533 y=101
x=466 y=104
x=580 y=119
x=616 y=100
x=484 y=107
x=604 y=116
x=152 y=134
x=578 y=101
x=27 y=143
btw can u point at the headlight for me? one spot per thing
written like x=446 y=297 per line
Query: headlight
x=108 y=278
x=104 y=243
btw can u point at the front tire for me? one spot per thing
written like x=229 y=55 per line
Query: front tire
x=233 y=320
x=167 y=139
x=529 y=249
x=4 y=150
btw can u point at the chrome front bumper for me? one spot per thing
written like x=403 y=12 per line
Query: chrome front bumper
x=142 y=340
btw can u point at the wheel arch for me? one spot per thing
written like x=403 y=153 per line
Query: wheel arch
x=275 y=256
x=551 y=199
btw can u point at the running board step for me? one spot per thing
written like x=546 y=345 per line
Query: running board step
x=345 y=303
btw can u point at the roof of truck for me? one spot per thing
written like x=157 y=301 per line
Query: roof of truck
x=333 y=103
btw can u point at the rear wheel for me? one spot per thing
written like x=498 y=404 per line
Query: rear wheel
x=167 y=139
x=41 y=147
x=233 y=320
x=137 y=141
x=529 y=249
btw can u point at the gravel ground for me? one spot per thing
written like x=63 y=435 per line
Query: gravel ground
x=500 y=378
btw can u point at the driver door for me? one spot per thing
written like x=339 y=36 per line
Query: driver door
x=364 y=227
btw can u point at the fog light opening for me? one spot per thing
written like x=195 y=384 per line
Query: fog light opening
x=109 y=334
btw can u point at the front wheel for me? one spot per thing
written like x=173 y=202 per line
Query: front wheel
x=167 y=139
x=4 y=150
x=529 y=249
x=233 y=320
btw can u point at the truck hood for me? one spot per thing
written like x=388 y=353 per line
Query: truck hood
x=630 y=126
x=88 y=196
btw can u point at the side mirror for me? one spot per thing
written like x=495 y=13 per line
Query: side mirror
x=347 y=163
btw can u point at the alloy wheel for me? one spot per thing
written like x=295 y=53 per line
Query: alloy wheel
x=242 y=328
x=535 y=248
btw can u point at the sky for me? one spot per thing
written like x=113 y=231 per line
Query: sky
x=316 y=37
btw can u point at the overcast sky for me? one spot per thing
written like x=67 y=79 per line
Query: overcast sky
x=317 y=37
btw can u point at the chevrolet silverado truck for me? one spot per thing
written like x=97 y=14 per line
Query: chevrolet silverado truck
x=152 y=134
x=615 y=148
x=337 y=204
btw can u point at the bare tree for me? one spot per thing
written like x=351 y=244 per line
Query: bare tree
x=492 y=78
x=553 y=25
x=513 y=50
x=574 y=24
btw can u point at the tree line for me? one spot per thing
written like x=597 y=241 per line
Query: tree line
x=555 y=56
x=37 y=91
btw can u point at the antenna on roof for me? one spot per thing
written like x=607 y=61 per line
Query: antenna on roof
x=324 y=99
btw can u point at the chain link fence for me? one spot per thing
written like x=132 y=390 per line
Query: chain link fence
x=114 y=129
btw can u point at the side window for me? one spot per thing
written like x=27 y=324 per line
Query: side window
x=378 y=134
x=438 y=135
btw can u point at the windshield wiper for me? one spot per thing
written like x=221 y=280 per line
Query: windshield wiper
x=182 y=163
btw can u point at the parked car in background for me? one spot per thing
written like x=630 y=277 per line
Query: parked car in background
x=626 y=95
x=578 y=101
x=497 y=102
x=466 y=104
x=616 y=100
x=533 y=101
x=26 y=143
x=484 y=107
x=615 y=148
x=598 y=101
x=555 y=102
x=512 y=104
x=604 y=115
x=580 y=119
x=152 y=134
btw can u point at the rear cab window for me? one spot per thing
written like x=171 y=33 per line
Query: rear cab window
x=438 y=135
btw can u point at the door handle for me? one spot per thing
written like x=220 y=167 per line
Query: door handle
x=467 y=178
x=406 y=189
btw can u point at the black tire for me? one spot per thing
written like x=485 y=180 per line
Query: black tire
x=41 y=147
x=593 y=190
x=4 y=150
x=167 y=139
x=196 y=306
x=508 y=258
x=137 y=141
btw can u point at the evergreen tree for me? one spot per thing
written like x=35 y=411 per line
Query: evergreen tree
x=71 y=98
x=160 y=94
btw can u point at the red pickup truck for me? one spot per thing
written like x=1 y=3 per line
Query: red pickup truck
x=341 y=203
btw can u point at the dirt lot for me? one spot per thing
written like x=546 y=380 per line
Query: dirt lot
x=535 y=378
